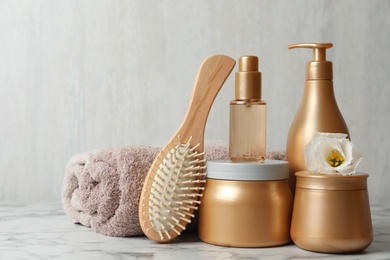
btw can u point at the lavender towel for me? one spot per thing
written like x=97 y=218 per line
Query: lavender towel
x=101 y=188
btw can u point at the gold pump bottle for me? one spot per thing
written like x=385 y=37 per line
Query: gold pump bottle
x=247 y=141
x=318 y=111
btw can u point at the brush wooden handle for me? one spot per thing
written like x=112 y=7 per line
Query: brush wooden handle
x=212 y=73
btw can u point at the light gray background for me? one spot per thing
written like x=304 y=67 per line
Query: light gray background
x=78 y=75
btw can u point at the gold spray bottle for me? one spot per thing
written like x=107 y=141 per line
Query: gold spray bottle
x=248 y=114
x=318 y=111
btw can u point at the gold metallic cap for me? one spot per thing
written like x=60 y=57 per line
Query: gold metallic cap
x=248 y=78
x=319 y=68
x=316 y=181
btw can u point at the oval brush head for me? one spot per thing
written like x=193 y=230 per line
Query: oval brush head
x=173 y=185
x=174 y=191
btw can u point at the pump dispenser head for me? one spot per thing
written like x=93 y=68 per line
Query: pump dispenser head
x=248 y=78
x=319 y=68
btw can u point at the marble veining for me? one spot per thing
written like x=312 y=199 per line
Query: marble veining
x=43 y=231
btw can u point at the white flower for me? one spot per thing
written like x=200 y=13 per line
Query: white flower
x=330 y=153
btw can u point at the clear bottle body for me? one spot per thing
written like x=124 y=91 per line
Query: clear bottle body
x=247 y=139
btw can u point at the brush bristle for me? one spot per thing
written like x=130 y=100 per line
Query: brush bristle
x=175 y=191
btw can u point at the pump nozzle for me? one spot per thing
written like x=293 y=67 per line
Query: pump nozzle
x=319 y=68
x=248 y=78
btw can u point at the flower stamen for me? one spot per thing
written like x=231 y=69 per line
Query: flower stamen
x=335 y=159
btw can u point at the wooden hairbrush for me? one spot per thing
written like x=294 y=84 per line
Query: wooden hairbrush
x=173 y=185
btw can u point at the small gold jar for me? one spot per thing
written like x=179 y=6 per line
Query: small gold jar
x=246 y=204
x=331 y=213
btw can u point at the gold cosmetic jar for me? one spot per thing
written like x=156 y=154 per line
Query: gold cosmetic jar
x=246 y=204
x=331 y=213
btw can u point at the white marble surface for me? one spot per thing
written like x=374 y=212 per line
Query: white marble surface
x=42 y=231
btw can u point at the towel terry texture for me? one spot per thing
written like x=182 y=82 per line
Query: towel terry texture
x=101 y=188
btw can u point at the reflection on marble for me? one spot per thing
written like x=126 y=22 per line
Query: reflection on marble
x=44 y=232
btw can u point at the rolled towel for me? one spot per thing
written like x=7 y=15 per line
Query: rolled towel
x=101 y=188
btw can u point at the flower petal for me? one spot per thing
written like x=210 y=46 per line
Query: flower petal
x=310 y=159
x=332 y=135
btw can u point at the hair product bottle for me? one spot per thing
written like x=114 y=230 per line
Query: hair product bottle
x=248 y=114
x=318 y=111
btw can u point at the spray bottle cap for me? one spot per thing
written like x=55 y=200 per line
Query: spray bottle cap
x=319 y=68
x=248 y=78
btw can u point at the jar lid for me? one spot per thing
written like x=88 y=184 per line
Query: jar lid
x=317 y=181
x=247 y=171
